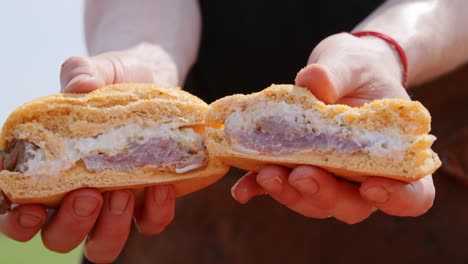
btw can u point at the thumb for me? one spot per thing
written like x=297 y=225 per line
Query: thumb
x=334 y=68
x=349 y=70
x=85 y=74
x=80 y=74
x=324 y=83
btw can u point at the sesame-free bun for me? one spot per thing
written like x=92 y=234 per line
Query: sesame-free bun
x=390 y=117
x=23 y=189
x=48 y=120
x=89 y=114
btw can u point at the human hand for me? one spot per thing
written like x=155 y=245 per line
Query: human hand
x=347 y=70
x=104 y=220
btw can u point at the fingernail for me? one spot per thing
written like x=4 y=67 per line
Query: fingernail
x=161 y=194
x=66 y=86
x=377 y=194
x=233 y=190
x=84 y=206
x=29 y=221
x=118 y=202
x=308 y=186
x=273 y=185
x=238 y=193
x=278 y=180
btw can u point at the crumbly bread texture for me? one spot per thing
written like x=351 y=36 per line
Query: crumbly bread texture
x=90 y=114
x=22 y=189
x=46 y=121
x=392 y=117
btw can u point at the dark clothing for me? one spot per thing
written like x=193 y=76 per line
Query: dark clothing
x=246 y=46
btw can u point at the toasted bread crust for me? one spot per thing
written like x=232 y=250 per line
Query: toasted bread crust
x=388 y=116
x=351 y=167
x=22 y=189
x=50 y=119
x=87 y=115
x=410 y=117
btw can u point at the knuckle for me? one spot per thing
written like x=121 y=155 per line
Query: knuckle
x=119 y=69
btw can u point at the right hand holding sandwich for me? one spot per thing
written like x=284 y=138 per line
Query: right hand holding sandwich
x=104 y=220
x=347 y=70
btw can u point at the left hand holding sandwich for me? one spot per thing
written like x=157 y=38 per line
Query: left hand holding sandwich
x=346 y=70
x=102 y=220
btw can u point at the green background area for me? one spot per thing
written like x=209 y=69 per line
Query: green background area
x=13 y=252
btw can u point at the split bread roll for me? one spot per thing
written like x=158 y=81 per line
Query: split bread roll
x=117 y=137
x=287 y=125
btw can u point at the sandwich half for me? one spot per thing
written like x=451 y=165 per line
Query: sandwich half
x=117 y=137
x=287 y=125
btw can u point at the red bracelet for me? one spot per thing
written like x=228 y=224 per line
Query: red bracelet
x=394 y=44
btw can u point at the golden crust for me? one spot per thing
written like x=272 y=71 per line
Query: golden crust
x=112 y=105
x=22 y=189
x=378 y=115
x=356 y=167
x=387 y=116
x=50 y=119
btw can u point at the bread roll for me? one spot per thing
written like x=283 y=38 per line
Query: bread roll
x=117 y=137
x=287 y=125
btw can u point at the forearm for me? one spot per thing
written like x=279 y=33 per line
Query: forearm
x=161 y=31
x=433 y=34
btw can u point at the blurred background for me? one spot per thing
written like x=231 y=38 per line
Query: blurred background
x=37 y=36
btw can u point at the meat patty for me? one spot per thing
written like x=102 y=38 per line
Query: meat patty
x=163 y=154
x=17 y=154
x=275 y=135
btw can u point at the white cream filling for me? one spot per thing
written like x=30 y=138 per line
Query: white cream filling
x=188 y=168
x=111 y=142
x=375 y=143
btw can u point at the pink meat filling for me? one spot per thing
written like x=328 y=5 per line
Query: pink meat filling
x=162 y=154
x=276 y=135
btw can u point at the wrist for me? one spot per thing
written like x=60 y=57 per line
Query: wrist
x=392 y=53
